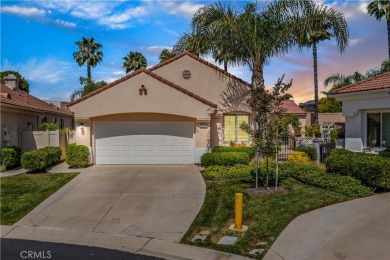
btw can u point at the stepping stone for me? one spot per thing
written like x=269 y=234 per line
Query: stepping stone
x=198 y=238
x=261 y=244
x=227 y=240
x=256 y=251
x=205 y=232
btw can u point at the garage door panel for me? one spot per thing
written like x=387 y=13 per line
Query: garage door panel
x=144 y=143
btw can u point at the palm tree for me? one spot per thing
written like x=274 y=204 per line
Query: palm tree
x=165 y=55
x=134 y=61
x=195 y=43
x=89 y=52
x=319 y=23
x=381 y=8
x=338 y=80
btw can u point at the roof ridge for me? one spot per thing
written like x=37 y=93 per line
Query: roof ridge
x=361 y=82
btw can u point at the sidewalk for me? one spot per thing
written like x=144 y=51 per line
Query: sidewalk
x=132 y=244
x=13 y=172
x=356 y=229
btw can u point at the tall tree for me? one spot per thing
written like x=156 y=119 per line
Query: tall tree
x=381 y=8
x=89 y=52
x=88 y=87
x=23 y=83
x=165 y=55
x=195 y=43
x=320 y=23
x=134 y=61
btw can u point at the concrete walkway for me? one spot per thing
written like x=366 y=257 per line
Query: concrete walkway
x=134 y=208
x=357 y=229
x=64 y=168
x=13 y=172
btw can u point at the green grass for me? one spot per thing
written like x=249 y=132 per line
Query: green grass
x=266 y=215
x=21 y=193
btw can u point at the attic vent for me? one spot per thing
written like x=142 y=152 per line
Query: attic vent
x=186 y=74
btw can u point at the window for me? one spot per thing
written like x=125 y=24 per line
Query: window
x=43 y=119
x=232 y=130
x=55 y=120
x=378 y=129
x=62 y=125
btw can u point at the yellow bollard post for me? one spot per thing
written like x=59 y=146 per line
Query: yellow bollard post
x=238 y=211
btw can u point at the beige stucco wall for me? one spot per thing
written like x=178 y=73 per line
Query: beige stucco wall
x=125 y=98
x=16 y=122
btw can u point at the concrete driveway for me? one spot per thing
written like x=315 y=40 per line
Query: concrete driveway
x=356 y=229
x=158 y=201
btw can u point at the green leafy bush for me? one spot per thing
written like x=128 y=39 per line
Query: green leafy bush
x=48 y=127
x=237 y=172
x=317 y=177
x=372 y=170
x=40 y=159
x=309 y=151
x=10 y=157
x=224 y=159
x=385 y=153
x=250 y=150
x=77 y=156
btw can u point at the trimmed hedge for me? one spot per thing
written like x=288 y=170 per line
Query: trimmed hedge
x=238 y=172
x=298 y=157
x=372 y=170
x=309 y=151
x=242 y=149
x=224 y=159
x=314 y=176
x=77 y=156
x=40 y=159
x=10 y=157
x=385 y=153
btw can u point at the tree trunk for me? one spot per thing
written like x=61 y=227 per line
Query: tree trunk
x=315 y=83
x=89 y=71
x=388 y=36
x=257 y=76
x=225 y=65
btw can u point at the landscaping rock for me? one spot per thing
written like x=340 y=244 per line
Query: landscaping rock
x=227 y=240
x=261 y=244
x=198 y=238
x=205 y=232
x=256 y=251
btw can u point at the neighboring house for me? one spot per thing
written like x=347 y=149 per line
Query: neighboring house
x=366 y=108
x=292 y=108
x=171 y=113
x=308 y=106
x=22 y=112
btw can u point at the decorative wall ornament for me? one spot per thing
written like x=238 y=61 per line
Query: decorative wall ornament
x=143 y=90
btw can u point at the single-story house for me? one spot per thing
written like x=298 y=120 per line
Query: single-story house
x=22 y=112
x=366 y=108
x=171 y=113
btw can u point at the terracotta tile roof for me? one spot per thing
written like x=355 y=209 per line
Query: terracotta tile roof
x=381 y=81
x=153 y=75
x=23 y=100
x=292 y=108
x=202 y=61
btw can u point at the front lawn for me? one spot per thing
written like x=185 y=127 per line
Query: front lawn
x=266 y=215
x=21 y=193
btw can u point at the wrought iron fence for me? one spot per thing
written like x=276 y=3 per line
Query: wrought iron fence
x=288 y=145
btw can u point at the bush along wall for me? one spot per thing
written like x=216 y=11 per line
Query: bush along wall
x=39 y=160
x=10 y=157
x=77 y=156
x=309 y=151
x=224 y=159
x=372 y=170
x=237 y=172
x=250 y=150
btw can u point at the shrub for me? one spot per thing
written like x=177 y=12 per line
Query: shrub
x=250 y=150
x=238 y=172
x=314 y=176
x=48 y=127
x=40 y=159
x=298 y=157
x=10 y=157
x=77 y=156
x=372 y=170
x=385 y=153
x=224 y=159
x=309 y=151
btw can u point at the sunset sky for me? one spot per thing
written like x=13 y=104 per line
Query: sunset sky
x=38 y=40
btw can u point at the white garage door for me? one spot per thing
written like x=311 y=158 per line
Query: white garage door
x=144 y=143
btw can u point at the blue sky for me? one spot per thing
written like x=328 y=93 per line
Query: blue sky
x=38 y=40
